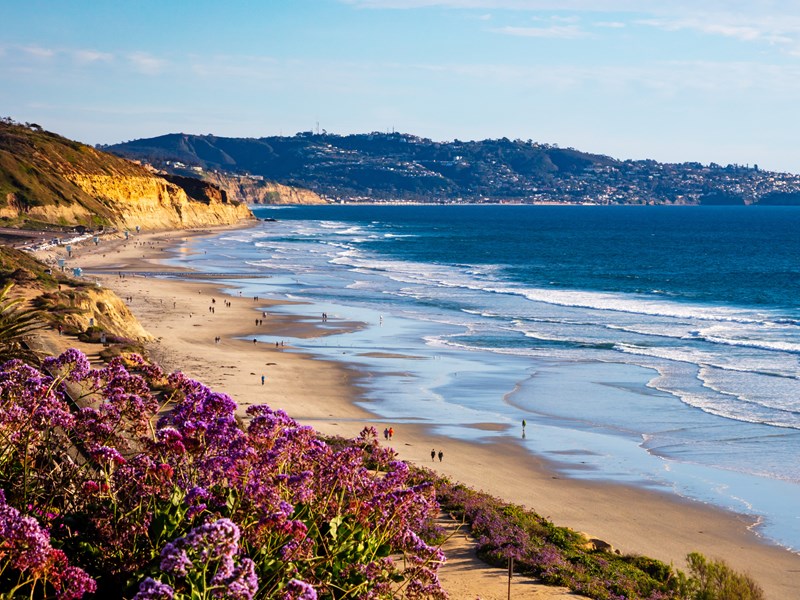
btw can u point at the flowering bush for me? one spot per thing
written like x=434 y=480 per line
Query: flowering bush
x=163 y=494
x=558 y=555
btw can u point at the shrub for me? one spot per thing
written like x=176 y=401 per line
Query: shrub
x=715 y=580
x=557 y=555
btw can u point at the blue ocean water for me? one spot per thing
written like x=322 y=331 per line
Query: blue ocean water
x=656 y=346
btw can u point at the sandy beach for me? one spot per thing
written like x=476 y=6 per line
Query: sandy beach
x=186 y=316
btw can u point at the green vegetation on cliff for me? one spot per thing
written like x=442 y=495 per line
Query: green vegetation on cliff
x=46 y=179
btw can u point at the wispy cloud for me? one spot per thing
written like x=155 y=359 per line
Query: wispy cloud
x=564 y=32
x=532 y=5
x=38 y=51
x=610 y=24
x=146 y=63
x=92 y=56
x=673 y=8
x=666 y=79
x=755 y=20
x=771 y=30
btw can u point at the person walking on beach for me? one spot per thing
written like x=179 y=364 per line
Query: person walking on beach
x=262 y=380
x=433 y=454
x=391 y=432
x=386 y=433
x=441 y=455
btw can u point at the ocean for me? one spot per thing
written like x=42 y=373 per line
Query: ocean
x=653 y=346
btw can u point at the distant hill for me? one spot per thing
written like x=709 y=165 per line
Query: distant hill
x=397 y=166
x=48 y=180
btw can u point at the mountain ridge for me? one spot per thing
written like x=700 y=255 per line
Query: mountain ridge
x=399 y=166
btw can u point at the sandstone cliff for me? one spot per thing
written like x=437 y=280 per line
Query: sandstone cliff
x=253 y=191
x=154 y=203
x=46 y=179
x=88 y=307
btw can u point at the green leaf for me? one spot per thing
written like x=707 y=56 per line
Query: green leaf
x=333 y=526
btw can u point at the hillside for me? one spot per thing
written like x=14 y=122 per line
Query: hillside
x=48 y=180
x=396 y=166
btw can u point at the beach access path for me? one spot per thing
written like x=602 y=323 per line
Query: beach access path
x=322 y=394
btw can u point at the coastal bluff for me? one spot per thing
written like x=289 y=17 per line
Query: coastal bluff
x=250 y=190
x=46 y=179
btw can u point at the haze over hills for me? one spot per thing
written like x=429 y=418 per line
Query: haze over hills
x=397 y=166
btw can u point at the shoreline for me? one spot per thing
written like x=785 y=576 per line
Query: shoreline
x=323 y=394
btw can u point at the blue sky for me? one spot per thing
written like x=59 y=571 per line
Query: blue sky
x=673 y=80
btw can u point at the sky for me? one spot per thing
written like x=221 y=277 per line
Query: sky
x=670 y=80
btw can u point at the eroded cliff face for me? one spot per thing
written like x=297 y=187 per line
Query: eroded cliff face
x=102 y=308
x=51 y=213
x=154 y=203
x=253 y=191
x=46 y=179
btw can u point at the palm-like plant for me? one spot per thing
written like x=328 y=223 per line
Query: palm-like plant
x=17 y=322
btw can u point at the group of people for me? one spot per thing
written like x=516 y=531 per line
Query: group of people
x=388 y=434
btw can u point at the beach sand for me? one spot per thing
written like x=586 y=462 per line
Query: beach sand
x=321 y=394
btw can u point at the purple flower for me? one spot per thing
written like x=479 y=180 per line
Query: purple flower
x=241 y=584
x=75 y=583
x=210 y=541
x=107 y=455
x=150 y=589
x=73 y=363
x=299 y=590
x=213 y=544
x=26 y=547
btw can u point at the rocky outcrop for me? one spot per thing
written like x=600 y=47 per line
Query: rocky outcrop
x=255 y=191
x=84 y=307
x=199 y=189
x=593 y=544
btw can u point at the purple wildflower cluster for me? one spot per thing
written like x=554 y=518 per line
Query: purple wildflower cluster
x=134 y=472
x=210 y=547
x=28 y=561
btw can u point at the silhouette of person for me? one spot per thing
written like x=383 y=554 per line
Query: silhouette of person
x=441 y=455
x=433 y=454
